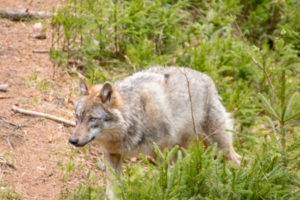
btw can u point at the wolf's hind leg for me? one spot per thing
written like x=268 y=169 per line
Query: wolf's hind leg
x=224 y=140
x=218 y=129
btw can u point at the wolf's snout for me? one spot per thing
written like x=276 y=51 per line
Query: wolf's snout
x=73 y=141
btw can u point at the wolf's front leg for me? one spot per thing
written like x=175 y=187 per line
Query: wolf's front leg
x=115 y=162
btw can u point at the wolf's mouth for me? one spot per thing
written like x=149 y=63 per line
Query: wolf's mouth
x=91 y=139
x=83 y=144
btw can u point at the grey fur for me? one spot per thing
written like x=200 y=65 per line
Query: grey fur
x=155 y=107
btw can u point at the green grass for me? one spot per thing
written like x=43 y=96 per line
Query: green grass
x=8 y=193
x=111 y=39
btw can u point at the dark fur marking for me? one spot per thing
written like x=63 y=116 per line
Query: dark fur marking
x=143 y=103
x=146 y=135
x=165 y=127
x=82 y=116
x=166 y=77
x=131 y=130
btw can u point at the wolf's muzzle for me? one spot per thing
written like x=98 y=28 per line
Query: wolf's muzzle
x=73 y=141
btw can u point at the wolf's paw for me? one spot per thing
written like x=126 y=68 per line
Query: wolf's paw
x=235 y=157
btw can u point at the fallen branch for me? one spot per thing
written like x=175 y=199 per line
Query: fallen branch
x=40 y=51
x=40 y=114
x=3 y=87
x=23 y=14
x=4 y=162
x=6 y=97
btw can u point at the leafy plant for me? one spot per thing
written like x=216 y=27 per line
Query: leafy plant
x=110 y=39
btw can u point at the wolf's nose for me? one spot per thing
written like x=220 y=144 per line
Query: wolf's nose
x=73 y=140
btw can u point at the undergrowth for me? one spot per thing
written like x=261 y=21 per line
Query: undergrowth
x=8 y=193
x=250 y=48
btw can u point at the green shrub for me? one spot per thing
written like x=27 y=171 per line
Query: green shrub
x=255 y=69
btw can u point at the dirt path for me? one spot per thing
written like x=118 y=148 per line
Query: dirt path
x=36 y=160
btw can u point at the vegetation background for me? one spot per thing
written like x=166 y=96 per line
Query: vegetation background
x=251 y=48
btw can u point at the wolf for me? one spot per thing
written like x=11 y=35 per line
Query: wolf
x=166 y=105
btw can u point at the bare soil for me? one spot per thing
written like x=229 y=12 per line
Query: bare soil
x=36 y=160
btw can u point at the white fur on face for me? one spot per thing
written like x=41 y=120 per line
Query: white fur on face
x=106 y=123
x=94 y=133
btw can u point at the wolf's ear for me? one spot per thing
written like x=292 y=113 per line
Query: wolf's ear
x=84 y=88
x=107 y=94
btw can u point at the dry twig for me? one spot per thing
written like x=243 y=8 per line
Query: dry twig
x=40 y=114
x=4 y=162
x=6 y=97
x=40 y=51
x=190 y=98
x=191 y=107
x=23 y=14
x=130 y=63
x=17 y=126
x=254 y=60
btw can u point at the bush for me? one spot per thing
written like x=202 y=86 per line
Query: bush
x=250 y=48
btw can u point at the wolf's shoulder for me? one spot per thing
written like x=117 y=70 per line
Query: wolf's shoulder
x=140 y=78
x=177 y=72
x=161 y=75
x=158 y=72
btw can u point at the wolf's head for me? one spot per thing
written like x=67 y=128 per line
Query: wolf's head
x=97 y=113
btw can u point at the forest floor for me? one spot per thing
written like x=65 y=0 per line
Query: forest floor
x=36 y=160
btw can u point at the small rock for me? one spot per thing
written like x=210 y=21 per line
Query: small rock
x=38 y=27
x=101 y=165
x=133 y=159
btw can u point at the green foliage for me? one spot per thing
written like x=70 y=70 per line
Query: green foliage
x=85 y=190
x=256 y=72
x=8 y=193
x=199 y=176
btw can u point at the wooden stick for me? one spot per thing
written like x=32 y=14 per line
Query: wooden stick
x=40 y=114
x=73 y=70
x=23 y=14
x=198 y=136
x=40 y=51
x=130 y=63
x=3 y=87
x=3 y=162
x=6 y=97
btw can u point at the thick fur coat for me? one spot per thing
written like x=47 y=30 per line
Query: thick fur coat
x=165 y=105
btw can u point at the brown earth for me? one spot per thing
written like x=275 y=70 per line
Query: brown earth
x=36 y=160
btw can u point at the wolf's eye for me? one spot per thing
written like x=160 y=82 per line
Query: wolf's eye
x=92 y=119
x=95 y=126
x=108 y=118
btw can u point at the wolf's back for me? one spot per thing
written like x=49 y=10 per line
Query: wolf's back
x=190 y=93
x=159 y=104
